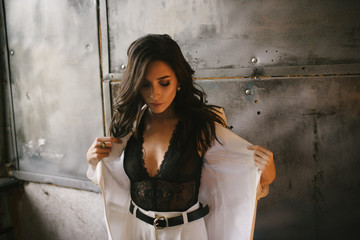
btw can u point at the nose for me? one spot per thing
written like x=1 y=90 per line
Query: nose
x=155 y=92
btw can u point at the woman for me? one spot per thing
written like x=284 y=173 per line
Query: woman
x=177 y=151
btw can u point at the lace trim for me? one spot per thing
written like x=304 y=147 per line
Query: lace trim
x=170 y=146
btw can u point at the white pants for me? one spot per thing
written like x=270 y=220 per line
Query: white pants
x=137 y=229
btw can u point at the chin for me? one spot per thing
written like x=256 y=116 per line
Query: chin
x=157 y=111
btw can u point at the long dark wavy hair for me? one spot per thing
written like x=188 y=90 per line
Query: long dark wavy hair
x=189 y=104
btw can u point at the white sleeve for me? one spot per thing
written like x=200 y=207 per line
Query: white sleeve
x=90 y=173
x=228 y=185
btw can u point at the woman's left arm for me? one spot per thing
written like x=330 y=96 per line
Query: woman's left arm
x=264 y=160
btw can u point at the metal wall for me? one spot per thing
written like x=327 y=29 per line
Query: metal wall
x=227 y=34
x=312 y=126
x=56 y=88
x=286 y=72
x=4 y=108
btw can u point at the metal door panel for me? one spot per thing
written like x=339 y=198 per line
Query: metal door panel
x=55 y=78
x=312 y=126
x=227 y=35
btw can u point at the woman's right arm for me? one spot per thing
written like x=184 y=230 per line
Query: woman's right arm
x=96 y=153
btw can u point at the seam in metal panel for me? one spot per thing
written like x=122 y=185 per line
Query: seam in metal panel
x=9 y=108
x=56 y=180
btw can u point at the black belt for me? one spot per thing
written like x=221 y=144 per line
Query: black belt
x=162 y=222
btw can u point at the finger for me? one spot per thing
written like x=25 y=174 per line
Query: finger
x=260 y=148
x=261 y=154
x=264 y=150
x=261 y=160
x=108 y=139
x=102 y=150
x=107 y=145
x=260 y=165
x=252 y=147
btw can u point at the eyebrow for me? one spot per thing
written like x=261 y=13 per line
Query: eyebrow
x=163 y=77
x=160 y=78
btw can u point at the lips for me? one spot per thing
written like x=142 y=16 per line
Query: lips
x=155 y=105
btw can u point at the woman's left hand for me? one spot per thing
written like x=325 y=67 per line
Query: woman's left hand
x=264 y=160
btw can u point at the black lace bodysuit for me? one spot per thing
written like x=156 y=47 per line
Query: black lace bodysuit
x=175 y=187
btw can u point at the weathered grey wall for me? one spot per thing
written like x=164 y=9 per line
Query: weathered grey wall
x=287 y=73
x=312 y=126
x=51 y=212
x=55 y=78
x=56 y=86
x=222 y=34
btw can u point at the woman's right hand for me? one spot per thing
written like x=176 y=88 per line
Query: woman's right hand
x=97 y=152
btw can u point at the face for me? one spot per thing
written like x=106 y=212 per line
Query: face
x=159 y=87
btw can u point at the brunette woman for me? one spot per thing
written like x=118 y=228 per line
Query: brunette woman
x=172 y=169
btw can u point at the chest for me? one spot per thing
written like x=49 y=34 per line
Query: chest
x=156 y=141
x=164 y=156
x=154 y=147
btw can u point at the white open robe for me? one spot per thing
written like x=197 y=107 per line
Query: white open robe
x=228 y=185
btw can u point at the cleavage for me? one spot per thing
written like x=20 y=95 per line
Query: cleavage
x=155 y=146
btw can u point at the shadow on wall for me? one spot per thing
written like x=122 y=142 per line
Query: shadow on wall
x=52 y=212
x=30 y=224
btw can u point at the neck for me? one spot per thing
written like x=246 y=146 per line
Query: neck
x=168 y=114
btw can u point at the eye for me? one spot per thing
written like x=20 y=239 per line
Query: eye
x=165 y=83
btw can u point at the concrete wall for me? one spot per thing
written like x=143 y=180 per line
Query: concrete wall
x=58 y=213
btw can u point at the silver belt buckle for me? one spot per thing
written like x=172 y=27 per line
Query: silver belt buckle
x=156 y=222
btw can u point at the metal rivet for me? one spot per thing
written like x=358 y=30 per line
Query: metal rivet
x=88 y=47
x=12 y=52
x=248 y=92
x=122 y=66
x=254 y=60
